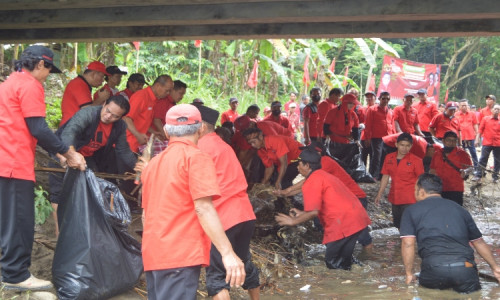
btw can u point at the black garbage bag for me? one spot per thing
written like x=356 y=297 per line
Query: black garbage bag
x=349 y=157
x=95 y=257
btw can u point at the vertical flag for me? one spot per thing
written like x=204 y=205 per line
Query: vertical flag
x=137 y=45
x=344 y=83
x=254 y=76
x=332 y=66
x=371 y=85
x=197 y=43
x=305 y=78
x=446 y=96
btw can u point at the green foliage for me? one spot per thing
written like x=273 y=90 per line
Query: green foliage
x=53 y=112
x=43 y=208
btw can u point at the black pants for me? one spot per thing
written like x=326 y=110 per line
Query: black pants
x=376 y=158
x=483 y=161
x=291 y=172
x=179 y=283
x=17 y=228
x=365 y=151
x=459 y=278
x=457 y=197
x=239 y=236
x=339 y=253
x=397 y=213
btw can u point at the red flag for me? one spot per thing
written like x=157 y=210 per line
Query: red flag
x=332 y=66
x=197 y=43
x=371 y=85
x=446 y=96
x=137 y=45
x=344 y=83
x=305 y=78
x=315 y=75
x=254 y=76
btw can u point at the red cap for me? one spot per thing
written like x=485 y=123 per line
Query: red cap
x=97 y=66
x=349 y=98
x=451 y=104
x=188 y=111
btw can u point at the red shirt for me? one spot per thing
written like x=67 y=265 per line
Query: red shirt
x=404 y=175
x=452 y=179
x=339 y=210
x=484 y=112
x=228 y=116
x=76 y=95
x=365 y=110
x=323 y=108
x=277 y=146
x=312 y=118
x=283 y=121
x=341 y=121
x=112 y=91
x=267 y=127
x=379 y=122
x=172 y=181
x=331 y=166
x=100 y=139
x=161 y=107
x=442 y=123
x=426 y=112
x=126 y=93
x=21 y=96
x=419 y=146
x=467 y=121
x=233 y=207
x=407 y=119
x=490 y=130
x=141 y=112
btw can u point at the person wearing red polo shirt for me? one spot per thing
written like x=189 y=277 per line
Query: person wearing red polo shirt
x=489 y=130
x=450 y=164
x=22 y=127
x=78 y=92
x=141 y=113
x=341 y=123
x=326 y=105
x=379 y=123
x=488 y=110
x=233 y=207
x=164 y=104
x=231 y=114
x=403 y=168
x=366 y=149
x=406 y=117
x=426 y=112
x=445 y=122
x=179 y=218
x=275 y=150
x=135 y=83
x=340 y=212
x=310 y=114
x=469 y=127
x=113 y=80
x=276 y=116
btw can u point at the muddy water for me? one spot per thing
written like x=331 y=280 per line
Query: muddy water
x=381 y=276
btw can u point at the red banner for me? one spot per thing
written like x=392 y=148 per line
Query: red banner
x=305 y=78
x=137 y=45
x=254 y=76
x=197 y=43
x=344 y=83
x=332 y=66
x=401 y=76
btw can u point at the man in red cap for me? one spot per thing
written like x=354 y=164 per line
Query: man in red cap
x=446 y=121
x=179 y=218
x=341 y=123
x=406 y=117
x=426 y=111
x=78 y=92
x=379 y=123
x=488 y=110
x=113 y=80
x=231 y=114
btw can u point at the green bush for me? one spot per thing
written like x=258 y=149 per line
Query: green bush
x=43 y=208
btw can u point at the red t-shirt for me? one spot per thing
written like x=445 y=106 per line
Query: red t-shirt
x=141 y=112
x=404 y=175
x=228 y=116
x=419 y=146
x=490 y=130
x=172 y=181
x=313 y=121
x=442 y=124
x=76 y=95
x=467 y=121
x=452 y=180
x=277 y=146
x=339 y=210
x=283 y=121
x=233 y=206
x=21 y=96
x=100 y=139
x=484 y=112
x=323 y=108
x=426 y=112
x=331 y=166
x=267 y=127
x=379 y=122
x=365 y=110
x=407 y=119
x=161 y=107
x=341 y=121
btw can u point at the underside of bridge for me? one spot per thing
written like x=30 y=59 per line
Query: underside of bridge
x=26 y=21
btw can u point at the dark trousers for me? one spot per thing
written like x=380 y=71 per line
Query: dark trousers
x=459 y=278
x=179 y=283
x=364 y=237
x=291 y=172
x=376 y=159
x=239 y=236
x=365 y=151
x=469 y=145
x=339 y=253
x=397 y=213
x=483 y=161
x=457 y=197
x=17 y=228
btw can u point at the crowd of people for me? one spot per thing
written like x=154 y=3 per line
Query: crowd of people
x=201 y=172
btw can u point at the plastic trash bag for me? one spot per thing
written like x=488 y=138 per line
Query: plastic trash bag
x=95 y=257
x=349 y=157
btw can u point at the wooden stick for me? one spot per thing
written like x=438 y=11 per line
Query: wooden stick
x=98 y=174
x=111 y=207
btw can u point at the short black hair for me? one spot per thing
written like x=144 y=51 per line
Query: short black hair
x=121 y=102
x=179 y=85
x=431 y=183
x=405 y=136
x=253 y=108
x=250 y=131
x=336 y=91
x=384 y=94
x=315 y=88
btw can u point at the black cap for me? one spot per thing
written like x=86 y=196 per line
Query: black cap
x=197 y=101
x=115 y=70
x=310 y=156
x=491 y=97
x=137 y=77
x=43 y=53
x=422 y=91
x=314 y=145
x=208 y=115
x=405 y=136
x=233 y=99
x=275 y=103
